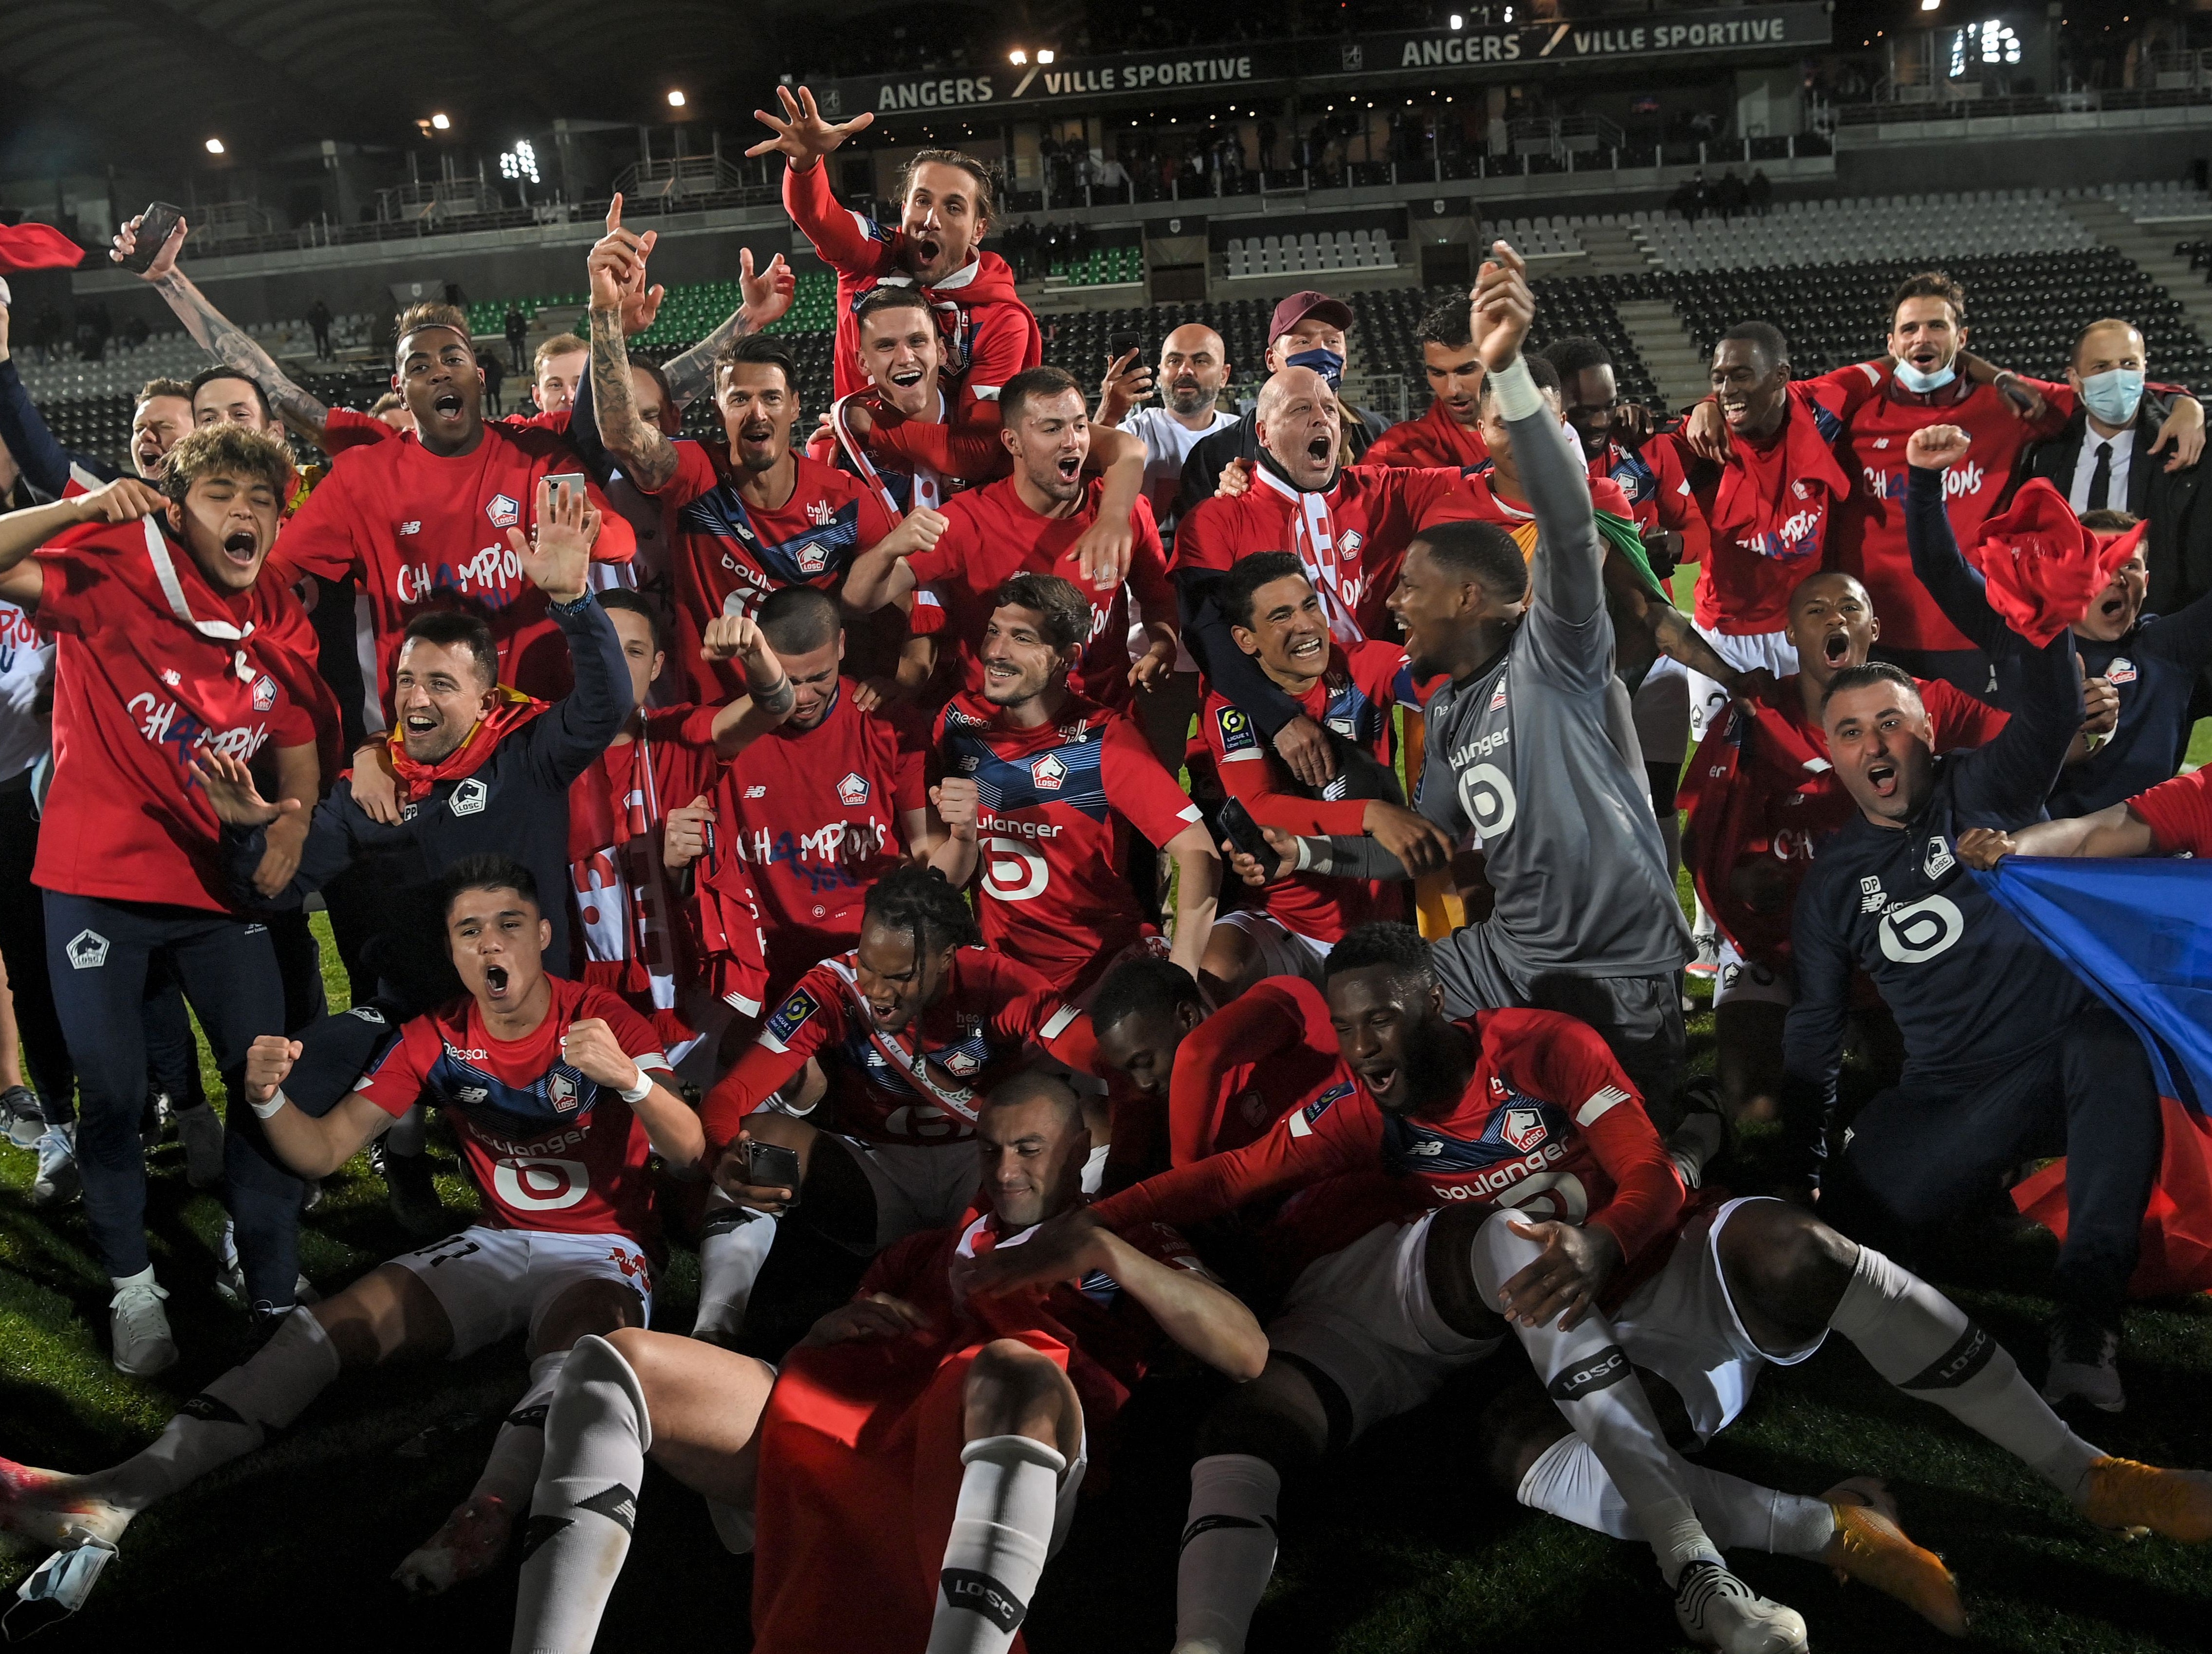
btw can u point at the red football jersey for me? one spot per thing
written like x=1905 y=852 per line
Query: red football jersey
x=1351 y=536
x=1474 y=500
x=988 y=333
x=1055 y=804
x=1867 y=536
x=2178 y=813
x=1548 y=1126
x=731 y=555
x=921 y=1085
x=1761 y=785
x=551 y=1149
x=1268 y=1051
x=991 y=535
x=421 y=532
x=1354 y=700
x=637 y=929
x=153 y=666
x=811 y=818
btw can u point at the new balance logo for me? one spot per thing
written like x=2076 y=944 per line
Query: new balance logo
x=964 y=1588
x=1601 y=1371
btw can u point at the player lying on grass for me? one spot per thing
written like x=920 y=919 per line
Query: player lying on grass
x=915 y=1464
x=558 y=1093
x=1518 y=1170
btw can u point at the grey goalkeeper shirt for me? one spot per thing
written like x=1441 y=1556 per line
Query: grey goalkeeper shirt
x=1522 y=762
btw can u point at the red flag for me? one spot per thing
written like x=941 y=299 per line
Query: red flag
x=2177 y=1226
x=37 y=246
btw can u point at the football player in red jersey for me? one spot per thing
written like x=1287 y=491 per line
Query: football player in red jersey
x=639 y=940
x=1276 y=617
x=1522 y=1175
x=803 y=823
x=1451 y=432
x=962 y=1429
x=421 y=521
x=1038 y=788
x=946 y=209
x=1037 y=520
x=873 y=1061
x=559 y=1094
x=174 y=642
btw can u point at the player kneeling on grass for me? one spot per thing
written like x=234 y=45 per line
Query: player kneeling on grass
x=558 y=1092
x=915 y=1463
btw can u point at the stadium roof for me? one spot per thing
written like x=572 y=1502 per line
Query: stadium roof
x=89 y=83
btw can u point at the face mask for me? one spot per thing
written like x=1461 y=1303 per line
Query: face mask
x=2114 y=396
x=1327 y=363
x=1914 y=380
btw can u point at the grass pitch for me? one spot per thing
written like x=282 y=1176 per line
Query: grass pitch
x=1401 y=1547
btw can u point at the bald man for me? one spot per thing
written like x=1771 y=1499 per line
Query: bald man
x=1194 y=368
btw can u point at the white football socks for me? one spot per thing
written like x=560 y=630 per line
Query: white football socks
x=510 y=1472
x=732 y=1246
x=586 y=1504
x=1228 y=1550
x=1568 y=1482
x=231 y=1417
x=1922 y=1342
x=1001 y=1535
x=1587 y=1374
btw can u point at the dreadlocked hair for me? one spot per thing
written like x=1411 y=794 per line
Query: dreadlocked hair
x=919 y=901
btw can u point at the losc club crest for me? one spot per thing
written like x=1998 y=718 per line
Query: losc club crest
x=812 y=557
x=561 y=1090
x=504 y=512
x=1049 y=774
x=87 y=950
x=264 y=693
x=853 y=789
x=469 y=797
x=1940 y=860
x=1524 y=1128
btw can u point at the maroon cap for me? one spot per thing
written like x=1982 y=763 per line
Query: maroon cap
x=1299 y=306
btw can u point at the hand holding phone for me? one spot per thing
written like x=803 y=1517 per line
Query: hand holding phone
x=154 y=227
x=771 y=1165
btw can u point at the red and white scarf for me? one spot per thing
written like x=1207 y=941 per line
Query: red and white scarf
x=1336 y=578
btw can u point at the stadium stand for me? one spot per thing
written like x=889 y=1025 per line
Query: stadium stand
x=1821 y=233
x=1388 y=322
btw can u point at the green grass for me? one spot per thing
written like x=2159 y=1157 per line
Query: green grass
x=1402 y=1547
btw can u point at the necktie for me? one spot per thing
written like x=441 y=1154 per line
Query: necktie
x=2100 y=479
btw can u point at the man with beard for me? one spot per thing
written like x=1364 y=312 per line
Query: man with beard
x=1451 y=432
x=1039 y=789
x=946 y=208
x=176 y=648
x=2008 y=1055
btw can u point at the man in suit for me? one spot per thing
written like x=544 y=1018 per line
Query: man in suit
x=2108 y=459
x=1306 y=331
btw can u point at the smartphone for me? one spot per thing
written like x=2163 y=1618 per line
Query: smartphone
x=1244 y=833
x=154 y=226
x=576 y=479
x=1119 y=345
x=771 y=1165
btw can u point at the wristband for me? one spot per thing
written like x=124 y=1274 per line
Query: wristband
x=576 y=607
x=1515 y=390
x=636 y=1093
x=264 y=1110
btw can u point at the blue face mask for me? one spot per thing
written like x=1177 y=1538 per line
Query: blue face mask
x=2114 y=395
x=1919 y=383
x=1327 y=363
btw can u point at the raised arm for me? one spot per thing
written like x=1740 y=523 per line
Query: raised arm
x=24 y=531
x=844 y=240
x=46 y=463
x=220 y=337
x=312 y=1145
x=767 y=293
x=769 y=697
x=616 y=269
x=577 y=730
x=2116 y=832
x=1937 y=562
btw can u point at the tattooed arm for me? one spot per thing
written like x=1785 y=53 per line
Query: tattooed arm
x=767 y=296
x=616 y=268
x=221 y=338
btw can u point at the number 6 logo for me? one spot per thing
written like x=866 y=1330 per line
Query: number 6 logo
x=1012 y=871
x=540 y=1185
x=1487 y=797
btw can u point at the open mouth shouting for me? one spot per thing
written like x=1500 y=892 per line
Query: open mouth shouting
x=447 y=406
x=1836 y=647
x=2113 y=608
x=906 y=378
x=1383 y=1080
x=240 y=546
x=1882 y=776
x=1070 y=466
x=1321 y=448
x=418 y=723
x=495 y=983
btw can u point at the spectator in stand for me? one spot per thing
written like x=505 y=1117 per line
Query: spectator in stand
x=1759 y=193
x=946 y=205
x=318 y=323
x=516 y=327
x=494 y=376
x=1306 y=331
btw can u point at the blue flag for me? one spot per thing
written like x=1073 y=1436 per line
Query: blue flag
x=2139 y=933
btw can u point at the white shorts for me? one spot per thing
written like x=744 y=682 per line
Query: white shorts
x=1745 y=651
x=1281 y=950
x=493 y=1283
x=1363 y=1316
x=1743 y=981
x=1661 y=706
x=917 y=1186
x=1683 y=1325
